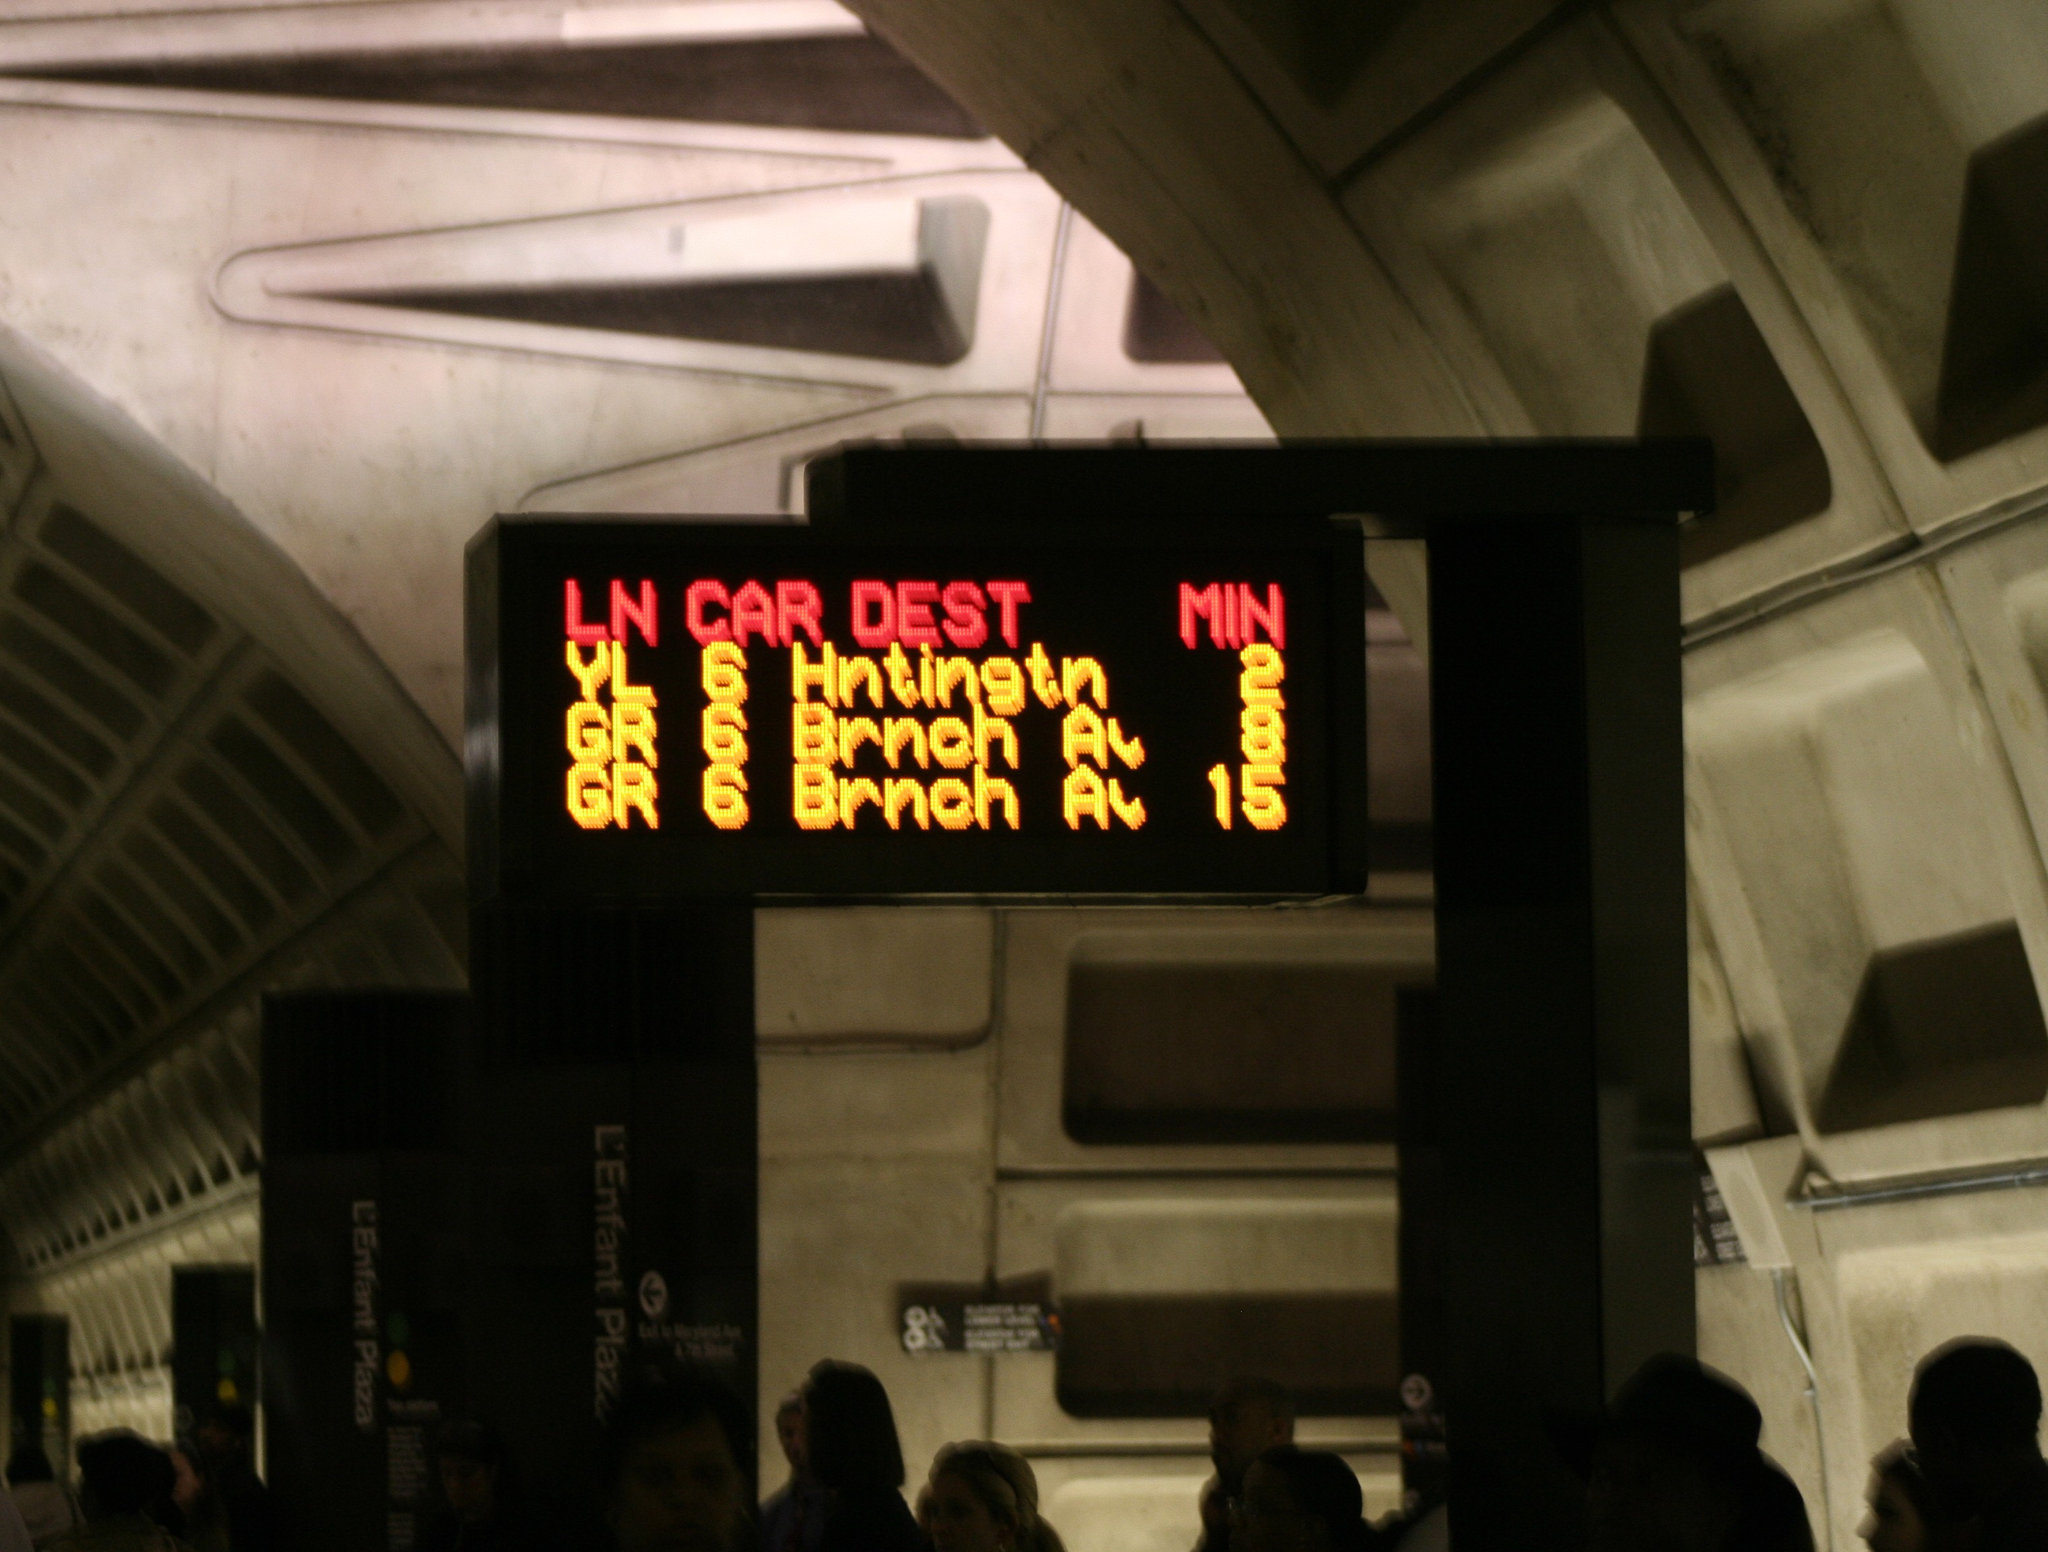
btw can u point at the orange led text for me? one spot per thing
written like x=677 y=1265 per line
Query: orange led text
x=610 y=736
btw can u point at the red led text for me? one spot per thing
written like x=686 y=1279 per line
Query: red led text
x=1235 y=613
x=711 y=613
x=635 y=608
x=924 y=614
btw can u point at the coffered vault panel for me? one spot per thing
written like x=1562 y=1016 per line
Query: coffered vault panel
x=173 y=808
x=369 y=313
x=1887 y=155
x=833 y=77
x=1923 y=220
x=1552 y=229
x=1799 y=225
x=396 y=273
x=207 y=787
x=378 y=271
x=534 y=289
x=1914 y=934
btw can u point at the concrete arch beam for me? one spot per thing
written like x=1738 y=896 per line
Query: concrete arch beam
x=1129 y=110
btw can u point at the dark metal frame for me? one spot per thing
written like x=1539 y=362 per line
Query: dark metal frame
x=1555 y=1209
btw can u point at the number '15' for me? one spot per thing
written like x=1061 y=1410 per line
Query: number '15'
x=1264 y=807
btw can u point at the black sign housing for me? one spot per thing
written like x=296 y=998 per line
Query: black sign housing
x=1131 y=709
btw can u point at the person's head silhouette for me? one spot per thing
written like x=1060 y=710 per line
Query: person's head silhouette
x=1975 y=1412
x=850 y=1429
x=1248 y=1417
x=1297 y=1500
x=1677 y=1469
x=121 y=1474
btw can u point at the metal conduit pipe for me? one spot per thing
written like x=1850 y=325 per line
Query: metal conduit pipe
x=1907 y=1188
x=1780 y=1279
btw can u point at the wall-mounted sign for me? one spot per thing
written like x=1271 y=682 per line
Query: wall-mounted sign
x=1017 y=1316
x=663 y=708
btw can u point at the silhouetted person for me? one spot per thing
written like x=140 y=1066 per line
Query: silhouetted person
x=675 y=1464
x=793 y=1517
x=1677 y=1469
x=855 y=1455
x=46 y=1509
x=1429 y=1531
x=1300 y=1501
x=162 y=1506
x=226 y=1437
x=479 y=1492
x=1903 y=1516
x=1247 y=1418
x=1976 y=1418
x=984 y=1498
x=13 y=1534
x=205 y=1525
x=120 y=1476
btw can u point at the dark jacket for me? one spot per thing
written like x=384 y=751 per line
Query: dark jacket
x=119 y=1533
x=501 y=1533
x=245 y=1505
x=793 y=1518
x=870 y=1520
x=2017 y=1519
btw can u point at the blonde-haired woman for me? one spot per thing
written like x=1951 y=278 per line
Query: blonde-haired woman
x=984 y=1498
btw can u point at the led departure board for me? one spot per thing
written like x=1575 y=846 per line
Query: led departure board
x=664 y=708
